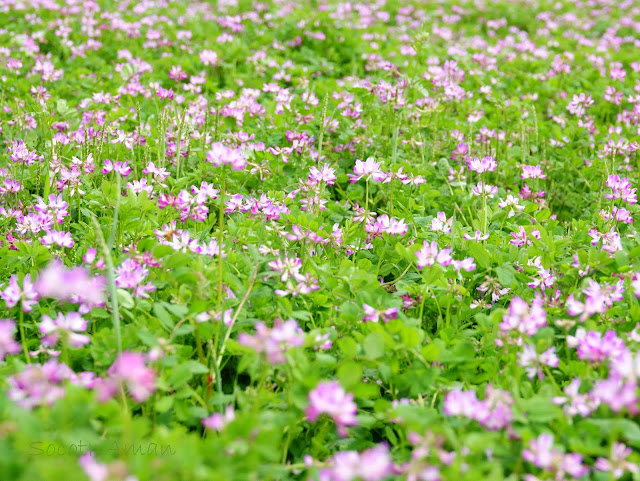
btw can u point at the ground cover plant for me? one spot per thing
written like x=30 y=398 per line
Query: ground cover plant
x=319 y=240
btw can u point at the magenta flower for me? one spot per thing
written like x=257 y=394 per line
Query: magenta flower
x=374 y=315
x=8 y=344
x=430 y=254
x=440 y=223
x=274 y=342
x=120 y=167
x=369 y=169
x=330 y=398
x=72 y=285
x=218 y=421
x=326 y=174
x=39 y=384
x=617 y=463
x=524 y=319
x=373 y=464
x=534 y=362
x=486 y=164
x=130 y=370
x=221 y=154
x=68 y=325
x=165 y=94
x=26 y=294
x=532 y=172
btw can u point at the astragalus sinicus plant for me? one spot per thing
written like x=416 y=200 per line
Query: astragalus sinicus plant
x=319 y=240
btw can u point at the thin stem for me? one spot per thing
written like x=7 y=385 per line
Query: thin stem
x=115 y=311
x=23 y=338
x=235 y=317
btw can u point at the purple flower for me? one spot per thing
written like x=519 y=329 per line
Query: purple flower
x=369 y=169
x=8 y=344
x=330 y=398
x=524 y=319
x=374 y=315
x=165 y=94
x=69 y=325
x=486 y=164
x=26 y=294
x=72 y=285
x=429 y=255
x=594 y=347
x=218 y=421
x=532 y=172
x=221 y=154
x=39 y=384
x=533 y=362
x=374 y=464
x=575 y=403
x=274 y=342
x=494 y=412
x=617 y=463
x=130 y=370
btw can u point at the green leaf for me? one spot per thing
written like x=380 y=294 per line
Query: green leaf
x=373 y=345
x=480 y=254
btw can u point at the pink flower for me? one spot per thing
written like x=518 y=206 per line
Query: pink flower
x=218 y=421
x=208 y=57
x=532 y=362
x=73 y=285
x=621 y=189
x=440 y=223
x=39 y=384
x=331 y=399
x=62 y=239
x=532 y=172
x=521 y=238
x=617 y=463
x=487 y=164
x=327 y=175
x=26 y=294
x=165 y=94
x=429 y=255
x=494 y=412
x=575 y=403
x=374 y=315
x=369 y=169
x=119 y=167
x=524 y=319
x=274 y=342
x=374 y=464
x=130 y=370
x=8 y=344
x=478 y=236
x=220 y=154
x=69 y=325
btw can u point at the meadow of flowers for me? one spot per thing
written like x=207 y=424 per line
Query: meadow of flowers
x=319 y=240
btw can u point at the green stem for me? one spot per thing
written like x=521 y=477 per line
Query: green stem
x=23 y=338
x=111 y=283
